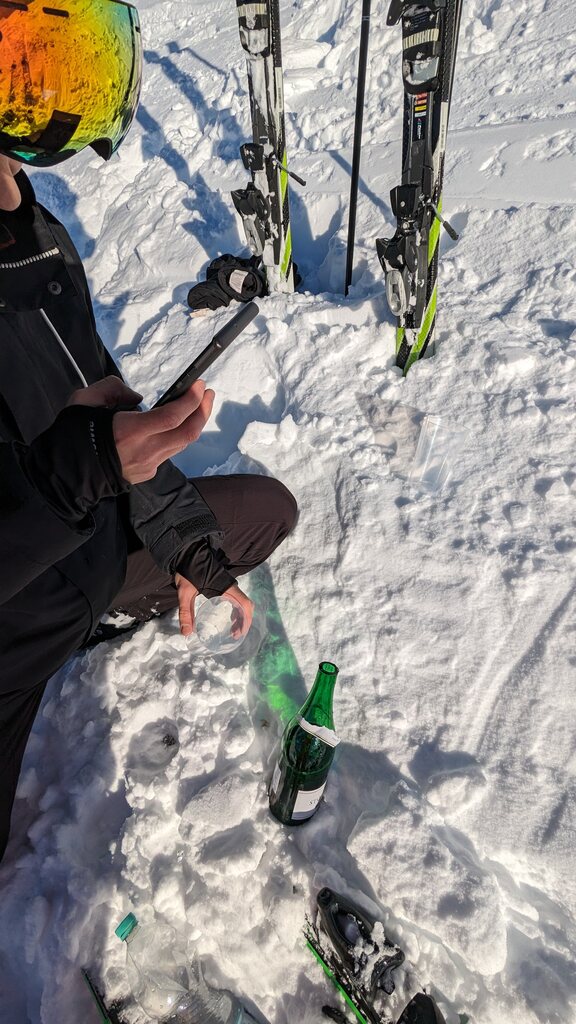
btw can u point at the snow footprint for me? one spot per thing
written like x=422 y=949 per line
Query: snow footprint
x=434 y=881
x=218 y=825
x=152 y=749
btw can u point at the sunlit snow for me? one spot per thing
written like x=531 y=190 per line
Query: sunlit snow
x=449 y=812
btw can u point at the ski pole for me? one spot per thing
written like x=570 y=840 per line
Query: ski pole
x=362 y=62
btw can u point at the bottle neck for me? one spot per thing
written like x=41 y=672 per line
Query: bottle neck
x=134 y=932
x=318 y=706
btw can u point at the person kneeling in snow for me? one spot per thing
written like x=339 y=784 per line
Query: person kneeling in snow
x=93 y=515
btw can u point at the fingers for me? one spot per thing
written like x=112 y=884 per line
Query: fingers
x=243 y=612
x=10 y=197
x=187 y=595
x=145 y=440
x=124 y=397
x=110 y=393
x=174 y=414
x=247 y=619
x=170 y=441
x=193 y=425
x=241 y=622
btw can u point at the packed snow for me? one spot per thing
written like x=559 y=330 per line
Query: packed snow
x=449 y=812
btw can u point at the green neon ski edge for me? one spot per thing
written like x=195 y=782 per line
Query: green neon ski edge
x=283 y=177
x=423 y=332
x=335 y=981
x=287 y=252
x=433 y=241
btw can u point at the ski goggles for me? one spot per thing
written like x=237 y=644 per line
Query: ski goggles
x=69 y=77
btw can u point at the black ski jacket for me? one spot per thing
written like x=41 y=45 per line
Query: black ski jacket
x=67 y=517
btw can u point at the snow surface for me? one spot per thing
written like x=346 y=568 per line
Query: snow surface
x=450 y=810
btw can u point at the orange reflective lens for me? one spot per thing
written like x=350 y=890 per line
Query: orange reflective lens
x=69 y=77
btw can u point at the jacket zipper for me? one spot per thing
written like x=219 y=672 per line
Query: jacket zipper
x=15 y=264
x=63 y=347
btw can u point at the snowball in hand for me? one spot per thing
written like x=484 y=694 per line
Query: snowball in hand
x=219 y=624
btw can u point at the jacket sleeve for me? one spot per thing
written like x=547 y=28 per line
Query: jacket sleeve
x=48 y=489
x=172 y=520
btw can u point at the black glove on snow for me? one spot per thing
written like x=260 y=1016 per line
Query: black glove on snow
x=228 y=277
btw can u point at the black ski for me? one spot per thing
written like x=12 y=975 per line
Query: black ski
x=410 y=258
x=264 y=204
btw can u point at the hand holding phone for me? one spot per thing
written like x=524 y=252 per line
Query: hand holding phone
x=144 y=440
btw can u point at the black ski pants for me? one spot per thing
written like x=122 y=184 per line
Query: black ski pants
x=255 y=514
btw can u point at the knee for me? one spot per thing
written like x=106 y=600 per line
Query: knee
x=286 y=508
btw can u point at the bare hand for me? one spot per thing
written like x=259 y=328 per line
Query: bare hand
x=243 y=611
x=241 y=617
x=187 y=595
x=10 y=198
x=111 y=393
x=145 y=440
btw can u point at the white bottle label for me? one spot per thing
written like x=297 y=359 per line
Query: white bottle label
x=328 y=736
x=306 y=802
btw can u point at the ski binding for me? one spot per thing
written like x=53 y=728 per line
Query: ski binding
x=352 y=959
x=341 y=940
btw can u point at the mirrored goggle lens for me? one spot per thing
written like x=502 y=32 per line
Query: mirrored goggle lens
x=69 y=77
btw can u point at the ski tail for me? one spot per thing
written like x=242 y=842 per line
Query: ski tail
x=341 y=939
x=412 y=346
x=361 y=1009
x=422 y=1009
x=285 y=250
x=350 y=929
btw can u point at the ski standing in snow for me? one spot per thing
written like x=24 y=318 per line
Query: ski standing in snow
x=410 y=258
x=264 y=204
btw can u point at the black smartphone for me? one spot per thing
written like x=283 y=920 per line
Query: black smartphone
x=221 y=340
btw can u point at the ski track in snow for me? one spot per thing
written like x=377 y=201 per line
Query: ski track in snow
x=450 y=809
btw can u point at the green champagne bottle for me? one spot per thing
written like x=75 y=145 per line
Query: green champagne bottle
x=306 y=753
